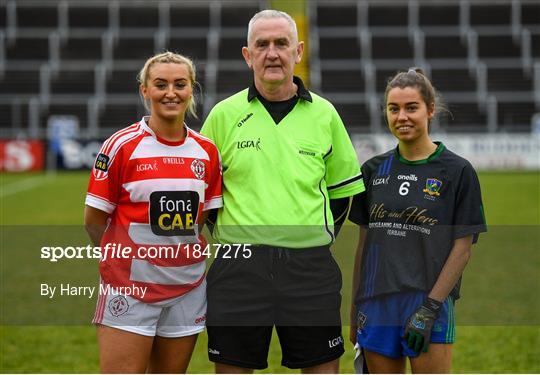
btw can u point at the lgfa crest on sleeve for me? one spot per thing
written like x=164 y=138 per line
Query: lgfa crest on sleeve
x=433 y=186
x=198 y=169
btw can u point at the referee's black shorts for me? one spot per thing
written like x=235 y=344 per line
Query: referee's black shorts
x=297 y=290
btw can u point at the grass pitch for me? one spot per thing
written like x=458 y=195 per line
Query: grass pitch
x=498 y=316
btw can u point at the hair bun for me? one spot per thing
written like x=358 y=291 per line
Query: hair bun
x=416 y=70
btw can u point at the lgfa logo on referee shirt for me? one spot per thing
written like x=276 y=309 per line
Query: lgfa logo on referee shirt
x=249 y=144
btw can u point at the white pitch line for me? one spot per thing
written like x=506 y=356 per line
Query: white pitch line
x=23 y=185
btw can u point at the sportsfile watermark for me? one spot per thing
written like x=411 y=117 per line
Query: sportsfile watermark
x=51 y=276
x=119 y=251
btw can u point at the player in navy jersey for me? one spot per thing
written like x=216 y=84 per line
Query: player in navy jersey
x=151 y=187
x=419 y=216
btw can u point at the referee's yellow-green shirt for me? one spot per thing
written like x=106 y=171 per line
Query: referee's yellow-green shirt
x=278 y=178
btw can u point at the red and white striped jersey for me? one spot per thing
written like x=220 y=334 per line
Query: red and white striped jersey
x=155 y=191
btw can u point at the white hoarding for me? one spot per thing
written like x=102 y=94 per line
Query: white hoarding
x=484 y=151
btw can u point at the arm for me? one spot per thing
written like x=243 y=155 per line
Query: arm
x=211 y=220
x=419 y=325
x=452 y=269
x=356 y=283
x=339 y=208
x=95 y=222
x=204 y=217
x=343 y=174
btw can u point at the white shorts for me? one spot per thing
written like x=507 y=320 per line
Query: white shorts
x=175 y=317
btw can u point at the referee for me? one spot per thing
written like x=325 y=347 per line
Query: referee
x=289 y=169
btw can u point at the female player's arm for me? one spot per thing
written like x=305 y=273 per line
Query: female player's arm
x=204 y=217
x=95 y=223
x=452 y=269
x=419 y=325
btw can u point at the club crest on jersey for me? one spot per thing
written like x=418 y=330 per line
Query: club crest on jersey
x=118 y=306
x=197 y=167
x=433 y=186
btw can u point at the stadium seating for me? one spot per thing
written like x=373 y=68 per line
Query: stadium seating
x=81 y=58
x=438 y=15
x=530 y=14
x=453 y=80
x=496 y=14
x=182 y=17
x=19 y=81
x=194 y=47
x=388 y=14
x=122 y=81
x=132 y=16
x=445 y=47
x=88 y=17
x=231 y=80
x=476 y=52
x=230 y=48
x=342 y=80
x=78 y=110
x=81 y=48
x=37 y=16
x=535 y=45
x=72 y=81
x=28 y=48
x=343 y=47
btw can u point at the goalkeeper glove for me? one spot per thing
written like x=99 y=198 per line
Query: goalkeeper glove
x=419 y=325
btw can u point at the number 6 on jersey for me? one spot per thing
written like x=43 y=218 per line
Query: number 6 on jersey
x=404 y=188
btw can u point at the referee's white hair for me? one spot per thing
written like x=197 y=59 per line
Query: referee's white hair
x=272 y=13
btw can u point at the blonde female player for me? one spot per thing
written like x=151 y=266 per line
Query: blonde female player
x=149 y=193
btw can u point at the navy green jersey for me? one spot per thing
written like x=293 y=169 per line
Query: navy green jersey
x=414 y=211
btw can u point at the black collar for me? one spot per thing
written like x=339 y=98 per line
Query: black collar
x=302 y=92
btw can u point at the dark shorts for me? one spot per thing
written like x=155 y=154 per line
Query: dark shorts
x=384 y=320
x=296 y=290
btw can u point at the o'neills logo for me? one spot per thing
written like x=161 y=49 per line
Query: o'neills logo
x=242 y=122
x=410 y=177
x=173 y=160
x=249 y=144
